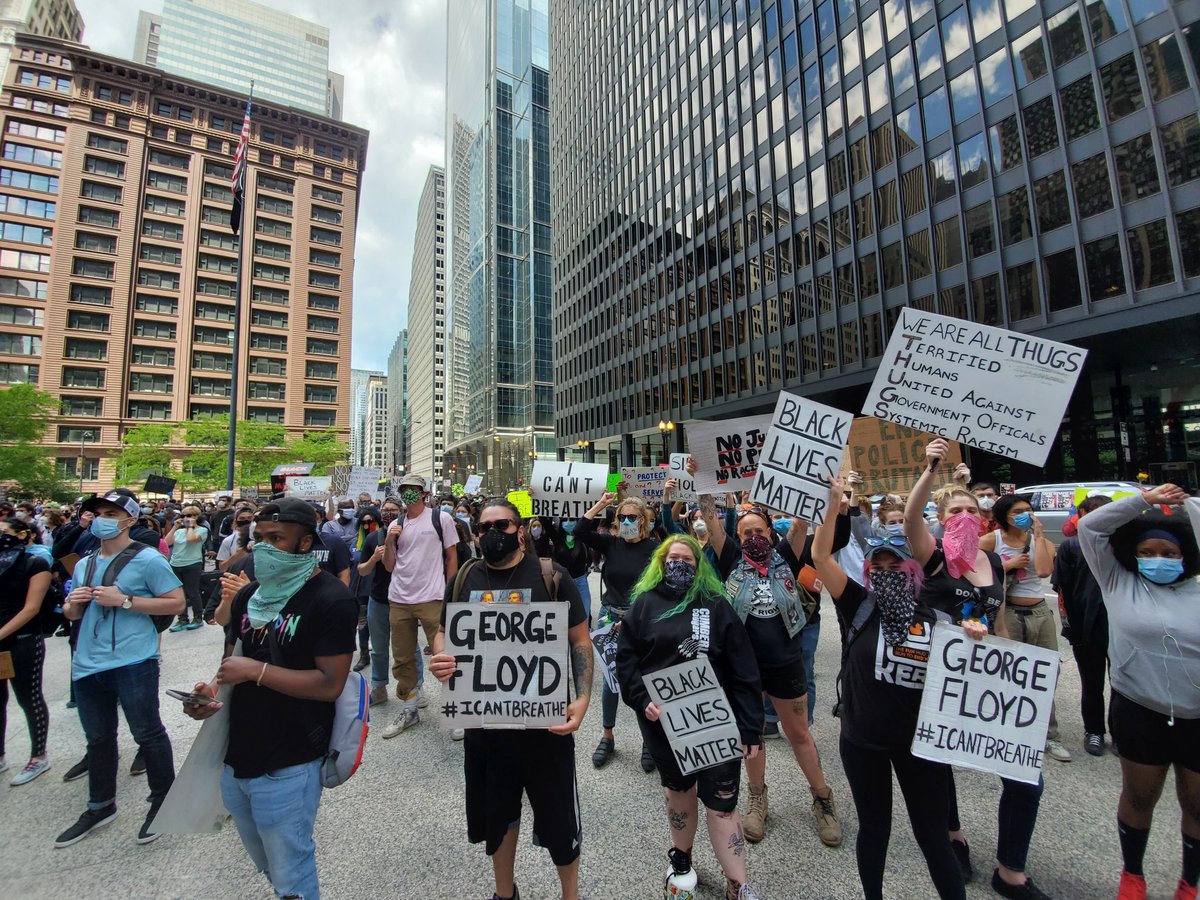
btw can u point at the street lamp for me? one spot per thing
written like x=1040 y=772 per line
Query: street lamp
x=663 y=428
x=83 y=438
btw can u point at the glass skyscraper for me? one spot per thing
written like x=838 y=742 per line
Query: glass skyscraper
x=747 y=193
x=499 y=327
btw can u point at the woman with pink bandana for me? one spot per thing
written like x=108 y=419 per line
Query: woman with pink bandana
x=965 y=585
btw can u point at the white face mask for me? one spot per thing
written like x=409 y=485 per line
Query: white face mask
x=987 y=502
x=700 y=527
x=628 y=531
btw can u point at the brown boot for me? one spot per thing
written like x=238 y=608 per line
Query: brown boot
x=755 y=818
x=829 y=829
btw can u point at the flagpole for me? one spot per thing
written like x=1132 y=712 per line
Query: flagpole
x=240 y=167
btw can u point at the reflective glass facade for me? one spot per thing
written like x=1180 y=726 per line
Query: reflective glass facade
x=747 y=192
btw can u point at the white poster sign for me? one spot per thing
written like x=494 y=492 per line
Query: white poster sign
x=998 y=390
x=512 y=669
x=686 y=491
x=473 y=483
x=695 y=714
x=567 y=489
x=727 y=453
x=363 y=480
x=986 y=704
x=646 y=482
x=803 y=451
x=308 y=487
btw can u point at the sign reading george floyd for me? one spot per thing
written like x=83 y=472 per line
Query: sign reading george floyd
x=695 y=714
x=986 y=704
x=990 y=388
x=727 y=452
x=891 y=458
x=803 y=451
x=686 y=490
x=645 y=482
x=511 y=663
x=567 y=489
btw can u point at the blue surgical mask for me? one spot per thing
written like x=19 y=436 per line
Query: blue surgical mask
x=280 y=575
x=895 y=530
x=1160 y=569
x=447 y=508
x=105 y=529
x=463 y=517
x=1024 y=521
x=782 y=526
x=568 y=527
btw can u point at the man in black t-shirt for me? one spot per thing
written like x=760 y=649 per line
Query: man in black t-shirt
x=502 y=764
x=296 y=629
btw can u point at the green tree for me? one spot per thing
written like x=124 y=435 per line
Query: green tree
x=260 y=448
x=24 y=463
x=320 y=447
x=145 y=450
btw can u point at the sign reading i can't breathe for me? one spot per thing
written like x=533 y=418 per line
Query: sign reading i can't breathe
x=511 y=661
x=986 y=704
x=695 y=714
x=567 y=489
x=998 y=390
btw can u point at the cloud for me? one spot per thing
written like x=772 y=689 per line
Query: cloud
x=392 y=55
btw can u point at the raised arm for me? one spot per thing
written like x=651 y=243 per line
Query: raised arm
x=822 y=546
x=915 y=529
x=1097 y=527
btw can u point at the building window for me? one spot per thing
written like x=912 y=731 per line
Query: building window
x=75 y=377
x=160 y=331
x=27 y=234
x=270 y=415
x=171 y=231
x=89 y=268
x=262 y=366
x=169 y=160
x=220 y=192
x=20 y=344
x=150 y=409
x=323 y=371
x=947 y=244
x=96 y=296
x=1150 y=255
x=171 y=256
x=1013 y=209
x=1050 y=202
x=165 y=280
x=164 y=181
x=324 y=214
x=104 y=218
x=1189 y=240
x=1181 y=147
x=1137 y=169
x=322 y=347
x=1023 y=299
x=214 y=312
x=281 y=185
x=1164 y=67
x=266 y=390
x=18 y=128
x=79 y=348
x=212 y=362
x=153 y=356
x=315 y=394
x=46 y=184
x=110 y=168
x=272 y=228
x=1066 y=35
x=274 y=296
x=322 y=324
x=213 y=216
x=271 y=250
x=1122 y=91
x=272 y=273
x=269 y=318
x=164 y=206
x=18 y=373
x=26 y=316
x=166 y=306
x=145 y=383
x=1005 y=140
x=980 y=233
x=1079 y=107
x=320 y=418
x=1062 y=280
x=210 y=262
x=87 y=321
x=1041 y=127
x=211 y=387
x=275 y=342
x=68 y=467
x=324 y=280
x=273 y=205
x=25 y=206
x=327 y=194
x=222 y=337
x=23 y=153
x=1093 y=191
x=215 y=288
x=82 y=406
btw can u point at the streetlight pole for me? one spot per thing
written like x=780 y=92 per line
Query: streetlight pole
x=663 y=428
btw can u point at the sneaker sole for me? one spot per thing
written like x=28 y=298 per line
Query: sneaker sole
x=148 y=839
x=68 y=777
x=75 y=840
x=135 y=774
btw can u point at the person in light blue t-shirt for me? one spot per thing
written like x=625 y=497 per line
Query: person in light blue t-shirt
x=116 y=660
x=187 y=544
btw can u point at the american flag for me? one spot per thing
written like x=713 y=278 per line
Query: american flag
x=239 y=169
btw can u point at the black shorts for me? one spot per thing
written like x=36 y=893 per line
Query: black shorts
x=789 y=682
x=500 y=766
x=1147 y=737
x=717 y=787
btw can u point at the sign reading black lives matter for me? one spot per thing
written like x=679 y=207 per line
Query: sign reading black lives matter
x=567 y=489
x=803 y=451
x=986 y=704
x=695 y=714
x=998 y=390
x=512 y=669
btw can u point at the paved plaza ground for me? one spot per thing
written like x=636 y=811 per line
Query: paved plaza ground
x=397 y=829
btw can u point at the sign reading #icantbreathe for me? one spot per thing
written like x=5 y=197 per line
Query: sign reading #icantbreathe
x=994 y=389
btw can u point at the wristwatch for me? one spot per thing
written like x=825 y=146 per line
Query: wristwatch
x=127 y=603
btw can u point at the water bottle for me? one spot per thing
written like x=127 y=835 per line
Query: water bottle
x=681 y=877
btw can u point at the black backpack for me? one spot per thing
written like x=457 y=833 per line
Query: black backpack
x=51 y=617
x=161 y=623
x=462 y=548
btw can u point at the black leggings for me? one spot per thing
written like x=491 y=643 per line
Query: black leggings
x=190 y=576
x=28 y=653
x=923 y=784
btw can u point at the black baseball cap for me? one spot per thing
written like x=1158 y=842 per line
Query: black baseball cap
x=289 y=509
x=121 y=497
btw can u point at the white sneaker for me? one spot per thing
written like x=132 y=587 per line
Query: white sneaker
x=32 y=770
x=405 y=720
x=422 y=700
x=1058 y=751
x=458 y=734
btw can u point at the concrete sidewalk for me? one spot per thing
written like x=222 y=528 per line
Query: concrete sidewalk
x=397 y=829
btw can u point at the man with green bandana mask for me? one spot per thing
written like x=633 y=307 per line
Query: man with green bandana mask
x=297 y=625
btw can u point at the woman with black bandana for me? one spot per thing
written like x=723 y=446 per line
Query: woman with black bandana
x=680 y=612
x=888 y=631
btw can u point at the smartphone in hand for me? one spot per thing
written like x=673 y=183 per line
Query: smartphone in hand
x=190 y=698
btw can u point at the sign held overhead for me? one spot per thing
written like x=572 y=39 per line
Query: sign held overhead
x=727 y=452
x=567 y=489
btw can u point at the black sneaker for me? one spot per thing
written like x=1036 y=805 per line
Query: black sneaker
x=515 y=896
x=88 y=822
x=962 y=854
x=76 y=771
x=647 y=759
x=1026 y=891
x=1094 y=744
x=770 y=729
x=138 y=766
x=146 y=834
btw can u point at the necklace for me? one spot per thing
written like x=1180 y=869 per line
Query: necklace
x=507 y=581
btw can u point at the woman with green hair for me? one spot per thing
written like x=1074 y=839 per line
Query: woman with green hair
x=679 y=611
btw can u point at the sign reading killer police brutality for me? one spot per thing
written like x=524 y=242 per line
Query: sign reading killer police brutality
x=567 y=489
x=511 y=662
x=646 y=482
x=986 y=704
x=695 y=714
x=890 y=458
x=726 y=453
x=803 y=451
x=998 y=390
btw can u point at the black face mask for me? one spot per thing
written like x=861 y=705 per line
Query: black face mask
x=10 y=542
x=497 y=546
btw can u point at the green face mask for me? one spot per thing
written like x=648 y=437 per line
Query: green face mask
x=410 y=496
x=280 y=575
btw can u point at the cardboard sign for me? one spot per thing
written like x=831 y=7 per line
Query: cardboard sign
x=695 y=714
x=363 y=480
x=727 y=453
x=803 y=451
x=567 y=489
x=339 y=480
x=646 y=482
x=308 y=487
x=473 y=483
x=994 y=389
x=512 y=669
x=986 y=704
x=891 y=458
x=686 y=491
x=523 y=502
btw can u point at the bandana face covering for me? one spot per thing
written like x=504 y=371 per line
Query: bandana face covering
x=757 y=551
x=960 y=543
x=897 y=603
x=11 y=549
x=678 y=576
x=280 y=575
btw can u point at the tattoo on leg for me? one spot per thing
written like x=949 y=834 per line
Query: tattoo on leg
x=800 y=707
x=737 y=841
x=678 y=818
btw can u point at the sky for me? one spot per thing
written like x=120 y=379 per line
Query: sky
x=392 y=54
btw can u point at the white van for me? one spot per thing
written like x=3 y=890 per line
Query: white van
x=1053 y=503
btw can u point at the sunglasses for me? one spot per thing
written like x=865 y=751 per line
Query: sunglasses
x=887 y=541
x=628 y=520
x=505 y=525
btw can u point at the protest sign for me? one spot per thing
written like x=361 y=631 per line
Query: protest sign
x=998 y=390
x=522 y=501
x=339 y=480
x=986 y=704
x=473 y=483
x=645 y=482
x=604 y=642
x=695 y=714
x=727 y=453
x=890 y=458
x=511 y=662
x=803 y=451
x=567 y=489
x=363 y=480
x=308 y=487
x=613 y=482
x=686 y=491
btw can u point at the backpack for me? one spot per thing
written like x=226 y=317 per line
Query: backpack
x=866 y=612
x=462 y=548
x=161 y=623
x=550 y=575
x=351 y=722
